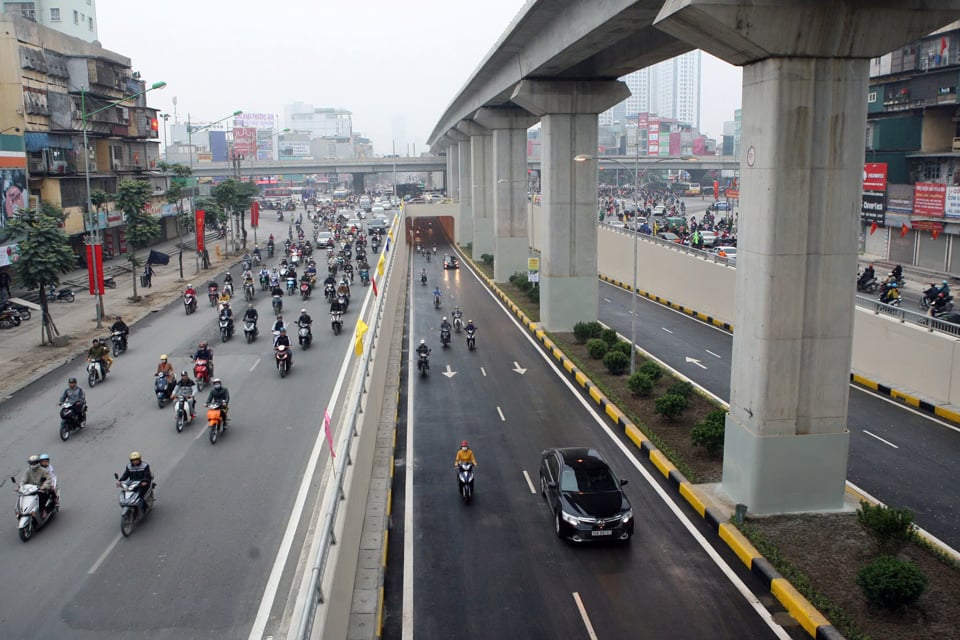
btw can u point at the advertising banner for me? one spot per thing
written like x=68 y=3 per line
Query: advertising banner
x=875 y=176
x=264 y=144
x=95 y=268
x=929 y=199
x=872 y=208
x=9 y=253
x=927 y=225
x=13 y=186
x=653 y=136
x=245 y=141
x=255 y=214
x=900 y=198
x=254 y=121
x=951 y=208
x=201 y=230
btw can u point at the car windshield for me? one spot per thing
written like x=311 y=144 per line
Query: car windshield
x=588 y=480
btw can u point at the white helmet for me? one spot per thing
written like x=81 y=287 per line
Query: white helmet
x=423 y=342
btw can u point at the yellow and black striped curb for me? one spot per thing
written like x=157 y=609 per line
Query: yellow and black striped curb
x=941 y=411
x=812 y=621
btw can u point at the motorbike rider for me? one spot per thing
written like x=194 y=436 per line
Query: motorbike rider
x=204 y=352
x=457 y=315
x=164 y=367
x=219 y=393
x=867 y=275
x=437 y=293
x=335 y=305
x=445 y=325
x=99 y=352
x=890 y=294
x=37 y=475
x=226 y=313
x=74 y=394
x=45 y=463
x=256 y=251
x=424 y=349
x=939 y=304
x=423 y=276
x=184 y=387
x=465 y=454
x=278 y=326
x=139 y=470
x=247 y=277
x=305 y=320
x=944 y=288
x=470 y=327
x=120 y=325
x=897 y=273
x=251 y=315
x=283 y=340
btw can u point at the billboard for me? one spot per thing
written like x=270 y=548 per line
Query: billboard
x=653 y=136
x=951 y=207
x=929 y=199
x=13 y=186
x=872 y=208
x=254 y=121
x=245 y=141
x=218 y=145
x=900 y=198
x=264 y=144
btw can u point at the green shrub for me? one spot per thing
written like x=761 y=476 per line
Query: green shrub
x=597 y=348
x=653 y=370
x=670 y=405
x=709 y=433
x=534 y=293
x=616 y=362
x=583 y=331
x=889 y=528
x=888 y=583
x=681 y=388
x=623 y=347
x=609 y=336
x=487 y=258
x=640 y=384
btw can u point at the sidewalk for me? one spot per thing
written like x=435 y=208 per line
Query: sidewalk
x=22 y=360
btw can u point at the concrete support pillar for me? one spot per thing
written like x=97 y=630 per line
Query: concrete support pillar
x=511 y=247
x=466 y=191
x=568 y=267
x=453 y=173
x=358 y=183
x=805 y=73
x=481 y=172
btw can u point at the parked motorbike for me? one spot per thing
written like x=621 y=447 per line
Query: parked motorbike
x=160 y=389
x=305 y=335
x=31 y=515
x=119 y=343
x=201 y=373
x=96 y=372
x=471 y=339
x=189 y=303
x=250 y=330
x=182 y=410
x=22 y=310
x=226 y=331
x=283 y=360
x=60 y=295
x=9 y=318
x=445 y=337
x=134 y=508
x=423 y=363
x=71 y=419
x=277 y=303
x=336 y=322
x=465 y=480
x=109 y=282
x=215 y=421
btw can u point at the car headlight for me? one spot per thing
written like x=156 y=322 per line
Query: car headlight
x=569 y=519
x=627 y=516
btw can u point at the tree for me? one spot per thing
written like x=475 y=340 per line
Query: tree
x=235 y=198
x=140 y=227
x=177 y=175
x=44 y=254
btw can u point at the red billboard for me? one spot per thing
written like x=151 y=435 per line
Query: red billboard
x=875 y=176
x=245 y=142
x=929 y=199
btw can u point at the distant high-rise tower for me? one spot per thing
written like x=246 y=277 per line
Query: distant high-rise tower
x=670 y=89
x=77 y=18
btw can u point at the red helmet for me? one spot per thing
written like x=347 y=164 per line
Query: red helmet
x=464 y=444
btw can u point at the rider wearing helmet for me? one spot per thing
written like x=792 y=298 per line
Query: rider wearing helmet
x=205 y=353
x=184 y=387
x=120 y=326
x=45 y=463
x=470 y=326
x=465 y=454
x=139 y=470
x=37 y=475
x=165 y=368
x=74 y=394
x=220 y=394
x=445 y=324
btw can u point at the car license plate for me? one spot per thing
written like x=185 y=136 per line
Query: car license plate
x=602 y=532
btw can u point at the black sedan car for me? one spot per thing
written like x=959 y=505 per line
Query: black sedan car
x=451 y=262
x=586 y=497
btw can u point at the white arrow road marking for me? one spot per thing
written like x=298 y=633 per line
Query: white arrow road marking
x=667 y=330
x=526 y=475
x=518 y=368
x=449 y=372
x=711 y=353
x=696 y=362
x=887 y=442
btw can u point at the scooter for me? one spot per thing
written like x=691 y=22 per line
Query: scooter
x=119 y=345
x=71 y=419
x=305 y=335
x=277 y=303
x=226 y=331
x=160 y=389
x=134 y=507
x=445 y=337
x=201 y=373
x=465 y=480
x=283 y=361
x=96 y=372
x=215 y=420
x=423 y=363
x=336 y=322
x=471 y=339
x=10 y=318
x=248 y=291
x=870 y=286
x=60 y=295
x=182 y=411
x=189 y=303
x=291 y=286
x=250 y=330
x=304 y=290
x=29 y=510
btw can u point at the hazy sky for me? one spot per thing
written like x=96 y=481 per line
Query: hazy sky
x=383 y=60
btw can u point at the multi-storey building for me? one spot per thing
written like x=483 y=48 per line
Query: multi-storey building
x=670 y=88
x=48 y=83
x=77 y=18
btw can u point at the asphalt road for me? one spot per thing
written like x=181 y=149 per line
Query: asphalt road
x=900 y=456
x=495 y=568
x=198 y=565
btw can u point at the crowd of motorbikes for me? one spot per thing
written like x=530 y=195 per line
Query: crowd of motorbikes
x=935 y=301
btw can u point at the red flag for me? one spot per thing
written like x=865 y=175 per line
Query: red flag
x=716 y=189
x=935 y=233
x=904 y=229
x=95 y=268
x=201 y=215
x=326 y=428
x=873 y=228
x=255 y=214
x=373 y=281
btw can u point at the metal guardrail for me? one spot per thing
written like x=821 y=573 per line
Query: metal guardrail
x=350 y=421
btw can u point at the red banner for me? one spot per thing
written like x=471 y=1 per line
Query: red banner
x=926 y=225
x=716 y=189
x=929 y=199
x=95 y=268
x=875 y=176
x=200 y=216
x=255 y=214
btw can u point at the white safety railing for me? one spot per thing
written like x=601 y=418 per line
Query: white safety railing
x=335 y=494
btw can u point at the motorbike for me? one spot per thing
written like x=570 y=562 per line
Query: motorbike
x=160 y=389
x=445 y=337
x=269 y=250
x=344 y=301
x=119 y=344
x=291 y=286
x=226 y=331
x=248 y=291
x=305 y=335
x=256 y=260
x=428 y=258
x=364 y=277
x=277 y=303
x=328 y=291
x=304 y=290
x=189 y=303
x=71 y=419
x=22 y=310
x=893 y=302
x=279 y=216
x=228 y=289
x=436 y=302
x=423 y=363
x=213 y=295
x=264 y=282
x=336 y=322
x=31 y=515
x=181 y=411
x=457 y=323
x=10 y=318
x=247 y=265
x=96 y=372
x=135 y=508
x=250 y=330
x=465 y=480
x=201 y=373
x=215 y=420
x=423 y=279
x=283 y=361
x=60 y=295
x=471 y=339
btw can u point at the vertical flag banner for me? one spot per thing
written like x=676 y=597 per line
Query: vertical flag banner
x=903 y=230
x=255 y=214
x=873 y=228
x=380 y=265
x=361 y=331
x=201 y=231
x=95 y=268
x=373 y=281
x=935 y=233
x=326 y=430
